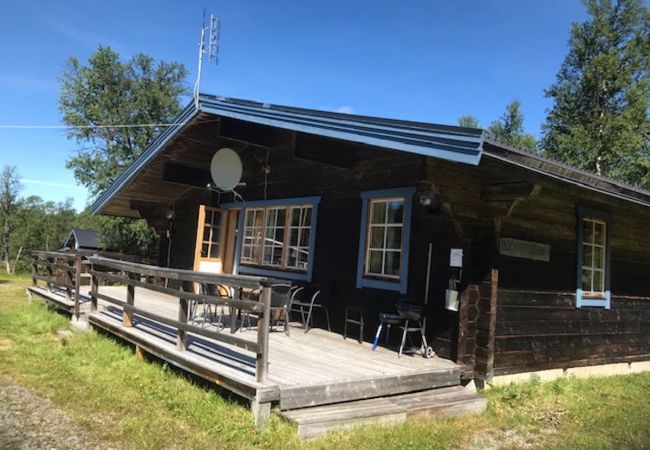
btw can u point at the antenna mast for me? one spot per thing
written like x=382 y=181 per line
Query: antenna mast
x=209 y=46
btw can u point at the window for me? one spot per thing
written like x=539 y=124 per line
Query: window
x=211 y=242
x=277 y=237
x=384 y=249
x=593 y=259
x=384 y=239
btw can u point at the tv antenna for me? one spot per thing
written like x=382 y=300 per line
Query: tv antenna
x=208 y=46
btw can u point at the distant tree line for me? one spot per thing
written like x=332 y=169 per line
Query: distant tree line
x=31 y=223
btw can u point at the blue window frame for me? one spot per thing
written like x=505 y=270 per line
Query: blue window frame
x=266 y=232
x=384 y=239
x=594 y=259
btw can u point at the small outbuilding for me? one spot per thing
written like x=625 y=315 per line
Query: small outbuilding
x=83 y=240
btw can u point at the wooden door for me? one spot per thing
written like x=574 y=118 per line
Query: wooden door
x=215 y=240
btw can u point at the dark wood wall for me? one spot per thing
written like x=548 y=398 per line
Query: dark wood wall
x=337 y=241
x=538 y=325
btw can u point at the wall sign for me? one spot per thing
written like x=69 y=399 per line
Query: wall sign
x=525 y=249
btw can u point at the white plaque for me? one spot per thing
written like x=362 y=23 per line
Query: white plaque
x=456 y=257
x=525 y=249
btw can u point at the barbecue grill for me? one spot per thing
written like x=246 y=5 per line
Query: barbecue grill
x=412 y=311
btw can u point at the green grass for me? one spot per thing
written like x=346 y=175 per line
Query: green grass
x=132 y=404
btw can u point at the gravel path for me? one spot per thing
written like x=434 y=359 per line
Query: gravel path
x=29 y=422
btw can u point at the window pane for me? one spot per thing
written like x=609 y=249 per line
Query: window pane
x=214 y=251
x=206 y=234
x=208 y=216
x=204 y=250
x=377 y=237
x=270 y=216
x=392 y=263
x=304 y=237
x=216 y=218
x=588 y=231
x=599 y=261
x=306 y=216
x=586 y=280
x=378 y=214
x=215 y=234
x=374 y=265
x=395 y=211
x=295 y=216
x=598 y=281
x=293 y=237
x=599 y=234
x=394 y=237
x=587 y=253
x=281 y=216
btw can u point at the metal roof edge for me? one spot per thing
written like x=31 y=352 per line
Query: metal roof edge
x=158 y=144
x=411 y=139
x=562 y=166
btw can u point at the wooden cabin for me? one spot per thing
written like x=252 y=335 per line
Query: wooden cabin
x=550 y=263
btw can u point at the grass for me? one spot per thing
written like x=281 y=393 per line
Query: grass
x=132 y=404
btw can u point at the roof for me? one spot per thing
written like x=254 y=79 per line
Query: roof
x=85 y=239
x=453 y=143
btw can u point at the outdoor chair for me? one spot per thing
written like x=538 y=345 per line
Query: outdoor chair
x=305 y=298
x=210 y=311
x=280 y=298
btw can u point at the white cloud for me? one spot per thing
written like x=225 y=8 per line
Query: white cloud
x=345 y=109
x=51 y=184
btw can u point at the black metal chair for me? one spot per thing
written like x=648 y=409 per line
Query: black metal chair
x=305 y=298
x=209 y=313
x=280 y=299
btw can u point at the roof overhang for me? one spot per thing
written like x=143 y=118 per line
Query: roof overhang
x=458 y=144
x=562 y=172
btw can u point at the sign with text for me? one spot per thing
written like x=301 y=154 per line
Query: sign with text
x=525 y=249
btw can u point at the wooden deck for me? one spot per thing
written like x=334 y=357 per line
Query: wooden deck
x=305 y=369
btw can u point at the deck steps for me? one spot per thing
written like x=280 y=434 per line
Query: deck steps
x=441 y=402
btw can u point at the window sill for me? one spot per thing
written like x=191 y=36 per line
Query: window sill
x=275 y=273
x=384 y=284
x=596 y=301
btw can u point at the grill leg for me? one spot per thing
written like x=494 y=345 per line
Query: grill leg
x=360 y=327
x=401 y=347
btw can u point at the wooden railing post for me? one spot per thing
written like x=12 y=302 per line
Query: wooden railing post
x=183 y=314
x=127 y=314
x=262 y=360
x=69 y=276
x=94 y=288
x=77 y=283
x=35 y=269
x=50 y=260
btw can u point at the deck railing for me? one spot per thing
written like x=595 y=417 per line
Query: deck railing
x=159 y=279
x=61 y=271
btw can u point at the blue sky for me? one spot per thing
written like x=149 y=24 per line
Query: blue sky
x=423 y=60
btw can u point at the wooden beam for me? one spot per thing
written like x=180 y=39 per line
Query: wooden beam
x=186 y=175
x=255 y=134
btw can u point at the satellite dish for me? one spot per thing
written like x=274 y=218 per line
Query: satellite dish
x=226 y=169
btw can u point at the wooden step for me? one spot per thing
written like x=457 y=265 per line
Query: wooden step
x=304 y=396
x=442 y=402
